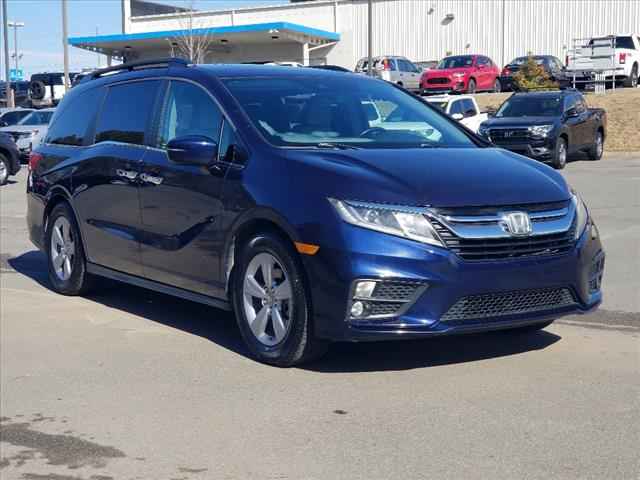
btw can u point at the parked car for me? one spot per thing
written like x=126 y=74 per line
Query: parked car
x=393 y=69
x=626 y=59
x=29 y=132
x=462 y=108
x=293 y=209
x=552 y=65
x=47 y=89
x=426 y=65
x=21 y=93
x=11 y=116
x=548 y=126
x=462 y=74
x=9 y=158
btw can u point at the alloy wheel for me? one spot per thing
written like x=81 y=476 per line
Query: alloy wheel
x=63 y=249
x=562 y=153
x=4 y=172
x=599 y=145
x=267 y=299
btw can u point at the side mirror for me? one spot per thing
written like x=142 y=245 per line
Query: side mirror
x=457 y=116
x=4 y=123
x=193 y=150
x=572 y=112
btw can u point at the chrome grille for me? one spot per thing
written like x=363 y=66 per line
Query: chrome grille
x=491 y=305
x=475 y=234
x=506 y=135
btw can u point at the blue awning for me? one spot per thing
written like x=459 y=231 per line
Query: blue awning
x=295 y=32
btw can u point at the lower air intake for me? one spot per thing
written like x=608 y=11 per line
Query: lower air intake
x=492 y=305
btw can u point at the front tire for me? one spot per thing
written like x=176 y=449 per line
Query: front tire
x=596 y=151
x=471 y=88
x=4 y=169
x=66 y=260
x=560 y=154
x=632 y=81
x=272 y=303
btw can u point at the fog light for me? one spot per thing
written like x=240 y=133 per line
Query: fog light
x=357 y=309
x=365 y=289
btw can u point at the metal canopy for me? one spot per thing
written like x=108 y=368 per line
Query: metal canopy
x=117 y=46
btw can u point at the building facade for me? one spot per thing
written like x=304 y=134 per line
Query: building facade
x=335 y=31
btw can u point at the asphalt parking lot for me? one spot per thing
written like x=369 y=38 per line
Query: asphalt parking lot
x=130 y=384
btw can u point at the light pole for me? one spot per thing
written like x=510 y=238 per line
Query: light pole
x=5 y=36
x=65 y=47
x=370 y=37
x=15 y=26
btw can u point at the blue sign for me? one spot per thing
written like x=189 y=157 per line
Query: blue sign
x=16 y=75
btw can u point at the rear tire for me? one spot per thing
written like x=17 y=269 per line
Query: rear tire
x=5 y=169
x=632 y=80
x=560 y=154
x=471 y=87
x=595 y=152
x=66 y=261
x=282 y=335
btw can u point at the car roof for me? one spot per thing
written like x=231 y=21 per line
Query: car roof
x=548 y=93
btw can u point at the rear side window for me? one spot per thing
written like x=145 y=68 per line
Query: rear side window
x=456 y=107
x=71 y=125
x=126 y=112
x=189 y=110
x=625 y=42
x=468 y=108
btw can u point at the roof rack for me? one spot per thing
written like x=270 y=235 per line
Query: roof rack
x=140 y=65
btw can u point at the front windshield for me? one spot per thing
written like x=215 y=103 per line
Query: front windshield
x=343 y=111
x=544 y=106
x=460 y=61
x=36 y=118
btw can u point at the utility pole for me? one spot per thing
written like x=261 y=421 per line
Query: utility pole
x=370 y=37
x=15 y=26
x=65 y=46
x=5 y=36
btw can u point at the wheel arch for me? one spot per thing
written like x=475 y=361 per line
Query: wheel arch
x=57 y=195
x=259 y=220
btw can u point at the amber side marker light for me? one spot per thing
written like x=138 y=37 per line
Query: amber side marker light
x=307 y=248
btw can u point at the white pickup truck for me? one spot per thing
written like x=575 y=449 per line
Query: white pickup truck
x=462 y=108
x=616 y=56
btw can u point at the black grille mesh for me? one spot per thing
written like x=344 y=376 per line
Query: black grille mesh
x=383 y=308
x=395 y=290
x=508 y=303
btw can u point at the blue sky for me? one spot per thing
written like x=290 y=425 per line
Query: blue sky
x=40 y=39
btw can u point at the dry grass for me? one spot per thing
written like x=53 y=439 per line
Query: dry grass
x=623 y=114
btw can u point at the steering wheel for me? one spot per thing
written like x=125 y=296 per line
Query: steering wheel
x=373 y=132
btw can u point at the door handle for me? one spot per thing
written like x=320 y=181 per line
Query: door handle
x=151 y=179
x=128 y=174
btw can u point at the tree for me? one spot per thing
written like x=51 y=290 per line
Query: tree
x=195 y=39
x=533 y=76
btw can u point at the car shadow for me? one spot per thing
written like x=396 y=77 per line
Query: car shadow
x=220 y=328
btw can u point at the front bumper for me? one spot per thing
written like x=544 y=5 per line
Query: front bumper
x=542 y=150
x=453 y=86
x=448 y=279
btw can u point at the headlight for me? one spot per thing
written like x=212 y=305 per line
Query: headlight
x=540 y=131
x=458 y=75
x=582 y=215
x=400 y=221
x=483 y=131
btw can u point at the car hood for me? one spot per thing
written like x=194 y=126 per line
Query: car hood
x=519 y=121
x=447 y=177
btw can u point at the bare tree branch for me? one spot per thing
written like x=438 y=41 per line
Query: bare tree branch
x=195 y=39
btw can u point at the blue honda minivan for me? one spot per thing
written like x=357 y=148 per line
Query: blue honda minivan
x=319 y=206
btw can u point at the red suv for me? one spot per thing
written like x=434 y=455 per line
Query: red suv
x=462 y=74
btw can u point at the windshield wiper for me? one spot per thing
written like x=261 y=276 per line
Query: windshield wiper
x=339 y=146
